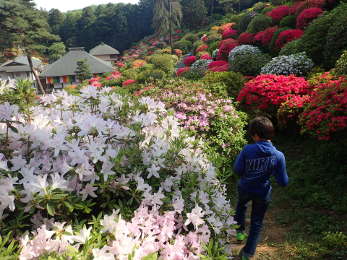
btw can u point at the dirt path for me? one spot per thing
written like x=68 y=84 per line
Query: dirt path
x=273 y=245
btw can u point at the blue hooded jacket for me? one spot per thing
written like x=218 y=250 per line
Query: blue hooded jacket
x=256 y=164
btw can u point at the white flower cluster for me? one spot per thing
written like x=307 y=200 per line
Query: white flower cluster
x=200 y=66
x=71 y=143
x=6 y=85
x=242 y=50
x=296 y=64
x=215 y=53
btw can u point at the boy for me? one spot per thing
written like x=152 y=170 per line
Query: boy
x=256 y=164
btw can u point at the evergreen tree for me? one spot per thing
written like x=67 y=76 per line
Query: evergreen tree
x=166 y=13
x=83 y=70
x=22 y=26
x=194 y=13
x=55 y=20
x=56 y=51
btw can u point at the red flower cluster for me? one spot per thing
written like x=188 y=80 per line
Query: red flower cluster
x=128 y=82
x=265 y=37
x=206 y=57
x=246 y=38
x=279 y=12
x=326 y=112
x=218 y=66
x=288 y=36
x=306 y=16
x=114 y=75
x=268 y=92
x=189 y=60
x=180 y=71
x=228 y=33
x=120 y=64
x=299 y=6
x=225 y=47
x=203 y=47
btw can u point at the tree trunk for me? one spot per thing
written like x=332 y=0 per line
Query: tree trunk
x=35 y=74
x=170 y=25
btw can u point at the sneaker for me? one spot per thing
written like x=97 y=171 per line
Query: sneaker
x=240 y=236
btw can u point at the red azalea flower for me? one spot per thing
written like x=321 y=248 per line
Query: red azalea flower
x=128 y=82
x=180 y=71
x=288 y=36
x=189 y=60
x=228 y=33
x=202 y=48
x=279 y=12
x=307 y=16
x=206 y=57
x=225 y=47
x=246 y=38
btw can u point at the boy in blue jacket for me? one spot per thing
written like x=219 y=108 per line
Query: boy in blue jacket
x=256 y=164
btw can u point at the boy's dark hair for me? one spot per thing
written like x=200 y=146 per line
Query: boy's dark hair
x=261 y=126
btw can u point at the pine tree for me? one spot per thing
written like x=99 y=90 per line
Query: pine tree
x=22 y=26
x=83 y=70
x=194 y=13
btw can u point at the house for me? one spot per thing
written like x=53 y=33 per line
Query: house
x=18 y=68
x=105 y=52
x=62 y=72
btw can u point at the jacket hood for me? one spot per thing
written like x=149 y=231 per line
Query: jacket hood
x=265 y=148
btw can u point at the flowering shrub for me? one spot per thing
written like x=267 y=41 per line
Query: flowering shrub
x=225 y=47
x=181 y=71
x=306 y=16
x=325 y=114
x=300 y=6
x=243 y=49
x=215 y=53
x=268 y=92
x=128 y=82
x=279 y=12
x=138 y=63
x=200 y=67
x=206 y=57
x=289 y=111
x=246 y=38
x=341 y=64
x=297 y=64
x=259 y=23
x=228 y=33
x=218 y=66
x=203 y=47
x=288 y=36
x=249 y=64
x=100 y=151
x=189 y=60
x=265 y=37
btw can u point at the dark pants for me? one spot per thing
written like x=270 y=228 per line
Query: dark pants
x=259 y=207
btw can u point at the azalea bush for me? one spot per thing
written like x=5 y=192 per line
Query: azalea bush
x=243 y=49
x=200 y=66
x=88 y=154
x=307 y=16
x=249 y=64
x=279 y=12
x=259 y=23
x=325 y=114
x=207 y=115
x=297 y=64
x=268 y=92
x=287 y=36
x=341 y=64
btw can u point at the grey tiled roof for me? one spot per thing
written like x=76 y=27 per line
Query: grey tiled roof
x=67 y=64
x=23 y=64
x=103 y=49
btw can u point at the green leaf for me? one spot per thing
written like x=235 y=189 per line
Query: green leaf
x=50 y=209
x=153 y=256
x=13 y=129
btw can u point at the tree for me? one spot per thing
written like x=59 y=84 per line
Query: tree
x=55 y=20
x=21 y=25
x=194 y=13
x=83 y=70
x=166 y=13
x=56 y=51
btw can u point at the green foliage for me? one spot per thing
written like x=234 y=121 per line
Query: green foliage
x=164 y=62
x=213 y=46
x=290 y=48
x=83 y=70
x=288 y=21
x=245 y=21
x=326 y=37
x=8 y=247
x=166 y=14
x=183 y=45
x=214 y=251
x=233 y=81
x=259 y=23
x=194 y=13
x=190 y=37
x=341 y=64
x=249 y=64
x=56 y=51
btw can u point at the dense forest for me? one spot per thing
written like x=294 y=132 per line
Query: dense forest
x=119 y=25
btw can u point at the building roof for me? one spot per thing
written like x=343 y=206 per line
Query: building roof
x=103 y=49
x=67 y=65
x=19 y=64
